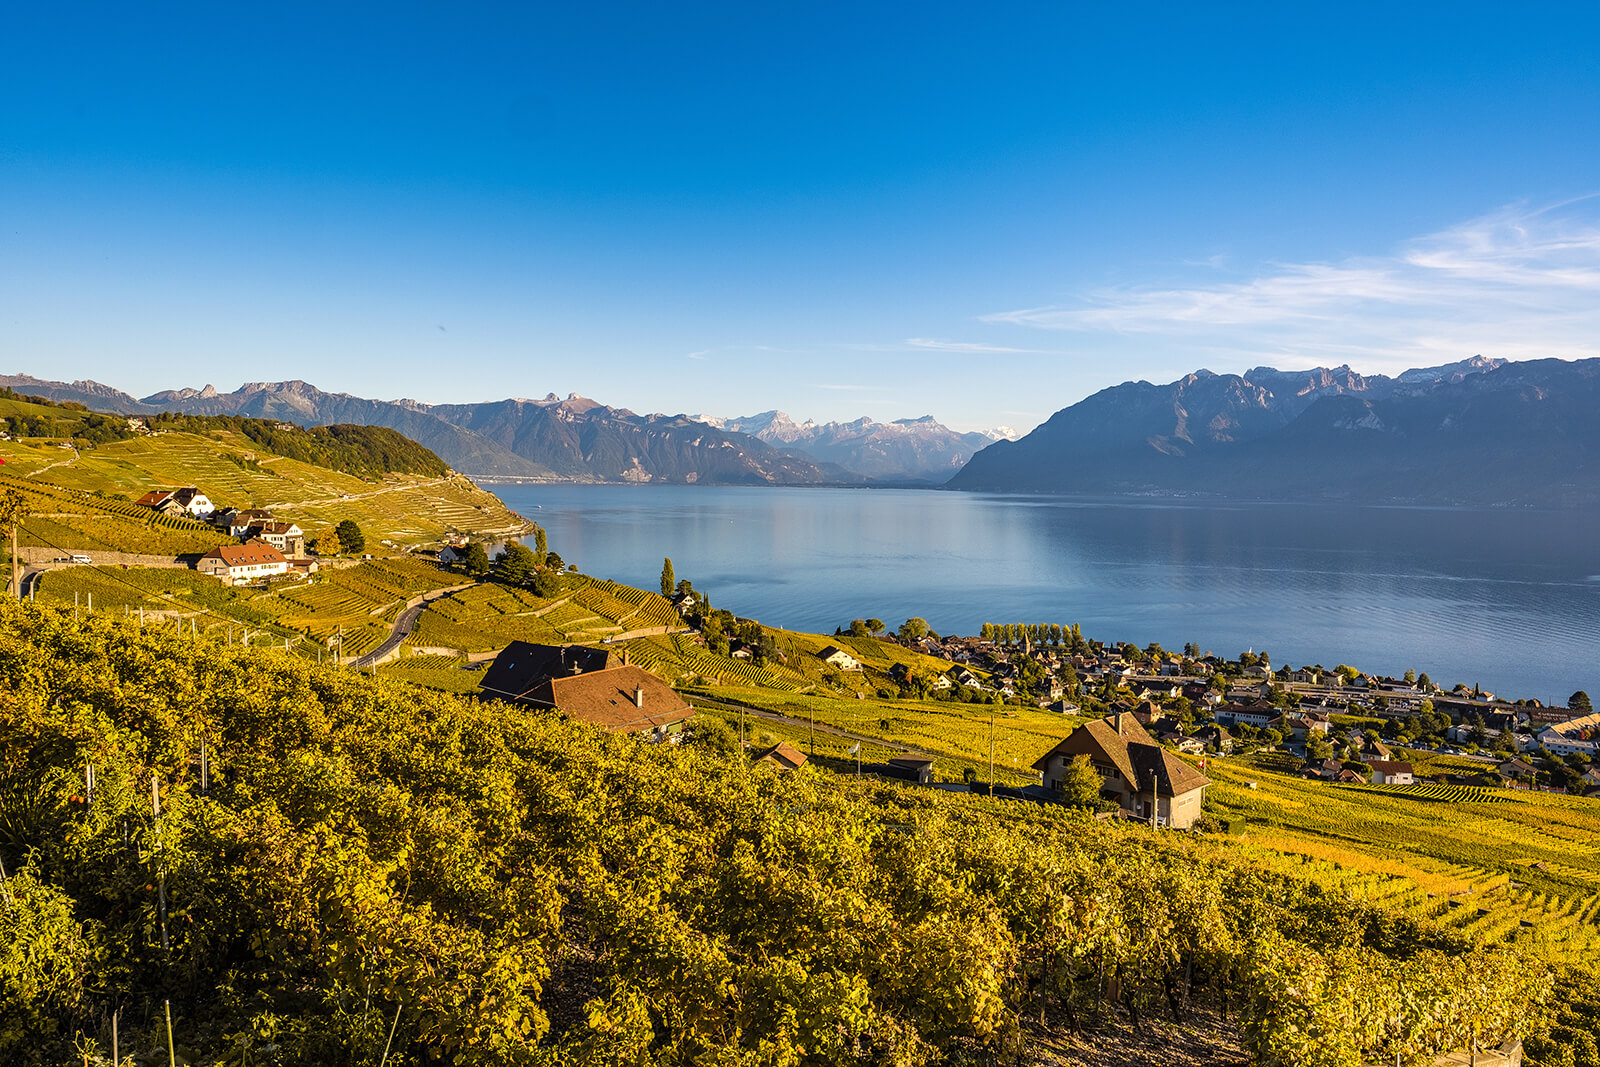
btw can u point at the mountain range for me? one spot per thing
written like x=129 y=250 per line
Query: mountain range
x=578 y=439
x=1481 y=431
x=905 y=449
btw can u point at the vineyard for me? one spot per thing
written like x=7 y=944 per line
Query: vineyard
x=1491 y=864
x=233 y=471
x=375 y=867
x=448 y=674
x=491 y=616
x=65 y=519
x=360 y=601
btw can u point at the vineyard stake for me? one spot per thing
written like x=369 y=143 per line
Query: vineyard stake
x=172 y=1055
x=384 y=1062
x=116 y=1059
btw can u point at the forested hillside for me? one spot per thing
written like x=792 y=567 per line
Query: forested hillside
x=367 y=451
x=374 y=861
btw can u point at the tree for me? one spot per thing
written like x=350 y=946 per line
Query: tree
x=710 y=732
x=541 y=546
x=351 y=539
x=514 y=565
x=1423 y=681
x=913 y=629
x=476 y=559
x=668 y=579
x=555 y=562
x=858 y=628
x=1411 y=676
x=547 y=583
x=1081 y=784
x=1580 y=702
x=875 y=626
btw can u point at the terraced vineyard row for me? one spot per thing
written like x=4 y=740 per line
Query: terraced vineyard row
x=1459 y=794
x=446 y=673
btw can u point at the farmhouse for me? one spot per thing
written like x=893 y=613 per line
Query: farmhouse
x=241 y=522
x=1138 y=774
x=286 y=537
x=588 y=684
x=1392 y=772
x=835 y=656
x=186 y=501
x=243 y=563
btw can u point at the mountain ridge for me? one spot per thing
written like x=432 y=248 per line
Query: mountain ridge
x=1478 y=432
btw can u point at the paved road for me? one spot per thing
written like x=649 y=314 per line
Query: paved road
x=403 y=627
x=402 y=630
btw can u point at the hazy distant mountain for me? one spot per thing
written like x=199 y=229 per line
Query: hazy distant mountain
x=1479 y=432
x=88 y=393
x=903 y=450
x=575 y=439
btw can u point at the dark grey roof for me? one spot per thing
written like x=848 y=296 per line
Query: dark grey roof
x=521 y=666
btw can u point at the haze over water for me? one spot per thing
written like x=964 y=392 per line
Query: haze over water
x=1508 y=600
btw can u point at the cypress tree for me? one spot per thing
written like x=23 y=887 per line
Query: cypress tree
x=668 y=580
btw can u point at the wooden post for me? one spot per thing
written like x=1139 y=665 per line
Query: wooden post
x=161 y=884
x=116 y=1055
x=205 y=769
x=991 y=750
x=172 y=1055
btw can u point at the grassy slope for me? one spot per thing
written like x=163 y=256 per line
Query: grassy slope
x=232 y=471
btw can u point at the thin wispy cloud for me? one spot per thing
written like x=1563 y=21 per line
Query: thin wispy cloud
x=1517 y=283
x=849 y=388
x=965 y=346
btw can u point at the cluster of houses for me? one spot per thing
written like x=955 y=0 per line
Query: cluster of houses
x=269 y=548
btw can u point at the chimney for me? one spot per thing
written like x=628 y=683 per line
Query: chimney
x=638 y=696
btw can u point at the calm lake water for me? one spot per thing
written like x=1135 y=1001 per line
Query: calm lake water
x=1508 y=600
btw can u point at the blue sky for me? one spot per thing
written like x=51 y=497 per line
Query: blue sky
x=980 y=212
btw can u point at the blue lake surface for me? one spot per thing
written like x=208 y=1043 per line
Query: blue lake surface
x=1506 y=599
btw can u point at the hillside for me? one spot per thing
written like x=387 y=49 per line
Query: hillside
x=80 y=480
x=1482 y=432
x=511 y=889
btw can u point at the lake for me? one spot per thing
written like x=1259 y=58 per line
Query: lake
x=1509 y=600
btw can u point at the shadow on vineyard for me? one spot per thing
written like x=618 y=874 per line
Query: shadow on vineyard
x=314 y=867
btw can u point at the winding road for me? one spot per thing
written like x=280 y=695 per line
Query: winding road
x=403 y=626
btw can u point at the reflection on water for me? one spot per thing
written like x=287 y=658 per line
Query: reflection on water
x=1505 y=599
